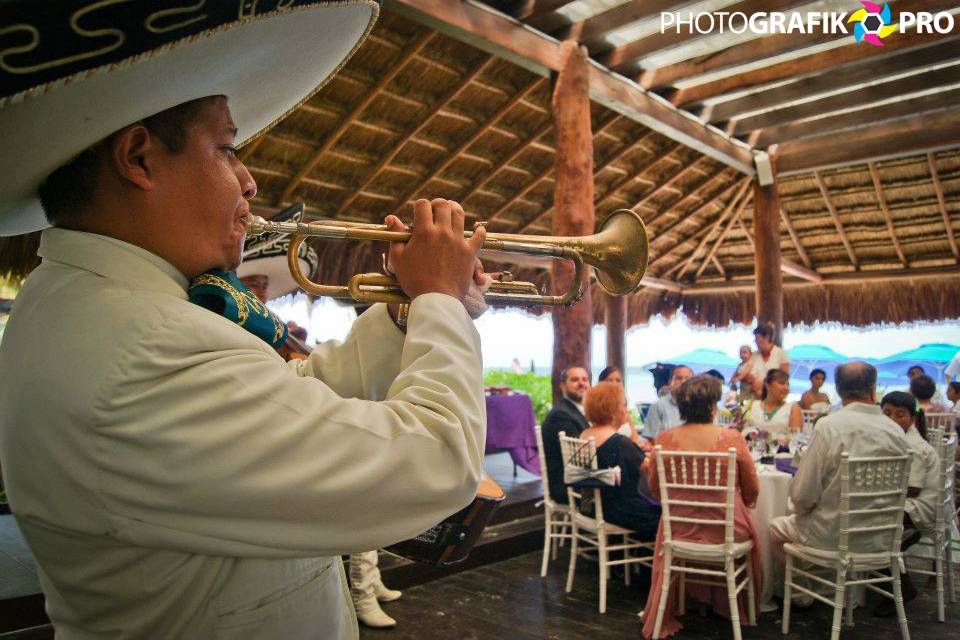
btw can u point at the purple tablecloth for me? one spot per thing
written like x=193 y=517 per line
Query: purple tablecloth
x=510 y=423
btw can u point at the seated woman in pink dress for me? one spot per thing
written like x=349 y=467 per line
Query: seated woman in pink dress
x=697 y=400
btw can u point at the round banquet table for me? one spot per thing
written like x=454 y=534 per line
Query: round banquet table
x=772 y=503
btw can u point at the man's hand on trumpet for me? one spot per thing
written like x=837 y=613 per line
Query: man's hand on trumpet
x=438 y=259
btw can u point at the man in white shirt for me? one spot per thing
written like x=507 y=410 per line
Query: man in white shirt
x=171 y=474
x=767 y=356
x=952 y=370
x=665 y=414
x=860 y=429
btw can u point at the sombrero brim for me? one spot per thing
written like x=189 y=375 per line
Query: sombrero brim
x=275 y=268
x=266 y=65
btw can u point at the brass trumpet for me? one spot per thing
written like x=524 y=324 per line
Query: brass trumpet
x=618 y=252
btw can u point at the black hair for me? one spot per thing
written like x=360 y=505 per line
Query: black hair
x=904 y=400
x=698 y=397
x=820 y=371
x=774 y=374
x=923 y=387
x=917 y=367
x=565 y=370
x=955 y=386
x=609 y=371
x=766 y=330
x=716 y=374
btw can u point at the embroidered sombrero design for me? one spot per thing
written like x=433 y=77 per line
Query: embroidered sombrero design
x=267 y=256
x=73 y=72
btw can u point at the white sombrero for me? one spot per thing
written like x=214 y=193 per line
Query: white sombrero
x=267 y=256
x=72 y=73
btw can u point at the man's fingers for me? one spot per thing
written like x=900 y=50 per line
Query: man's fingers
x=456 y=218
x=442 y=213
x=422 y=215
x=396 y=248
x=476 y=241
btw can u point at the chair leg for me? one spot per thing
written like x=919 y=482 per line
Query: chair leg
x=751 y=594
x=941 y=552
x=948 y=552
x=898 y=600
x=547 y=544
x=664 y=592
x=850 y=597
x=787 y=583
x=682 y=587
x=730 y=566
x=838 y=601
x=604 y=568
x=627 y=566
x=573 y=557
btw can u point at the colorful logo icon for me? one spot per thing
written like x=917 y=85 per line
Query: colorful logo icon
x=873 y=23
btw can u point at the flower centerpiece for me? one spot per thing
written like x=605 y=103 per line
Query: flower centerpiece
x=739 y=413
x=760 y=441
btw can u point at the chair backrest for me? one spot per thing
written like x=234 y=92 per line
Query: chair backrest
x=810 y=419
x=542 y=457
x=946 y=447
x=873 y=492
x=581 y=453
x=697 y=488
x=946 y=422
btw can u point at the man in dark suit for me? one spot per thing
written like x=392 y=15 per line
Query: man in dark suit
x=567 y=416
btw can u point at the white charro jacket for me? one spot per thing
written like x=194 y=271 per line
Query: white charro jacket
x=174 y=478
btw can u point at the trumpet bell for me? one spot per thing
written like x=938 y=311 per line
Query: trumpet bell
x=619 y=252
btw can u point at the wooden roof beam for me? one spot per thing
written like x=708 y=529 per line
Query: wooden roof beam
x=668 y=184
x=481 y=181
x=787 y=266
x=592 y=30
x=706 y=185
x=346 y=122
x=911 y=136
x=529 y=9
x=635 y=175
x=720 y=238
x=855 y=98
x=440 y=106
x=795 y=238
x=882 y=201
x=741 y=197
x=504 y=37
x=932 y=162
x=836 y=219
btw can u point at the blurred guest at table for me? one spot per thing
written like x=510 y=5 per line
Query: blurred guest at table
x=953 y=395
x=665 y=413
x=953 y=369
x=860 y=429
x=743 y=369
x=923 y=389
x=914 y=371
x=813 y=399
x=567 y=416
x=628 y=504
x=697 y=399
x=773 y=413
x=920 y=511
x=767 y=357
x=628 y=428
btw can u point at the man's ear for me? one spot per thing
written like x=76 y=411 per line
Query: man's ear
x=133 y=156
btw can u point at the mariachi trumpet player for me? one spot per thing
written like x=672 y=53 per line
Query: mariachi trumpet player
x=171 y=475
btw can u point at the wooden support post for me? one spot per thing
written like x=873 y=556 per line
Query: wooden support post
x=615 y=319
x=766 y=234
x=573 y=205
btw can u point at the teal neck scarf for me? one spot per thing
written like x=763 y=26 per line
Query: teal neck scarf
x=224 y=294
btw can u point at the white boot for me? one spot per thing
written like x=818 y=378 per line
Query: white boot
x=376 y=619
x=386 y=595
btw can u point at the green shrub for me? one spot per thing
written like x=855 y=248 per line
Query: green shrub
x=535 y=386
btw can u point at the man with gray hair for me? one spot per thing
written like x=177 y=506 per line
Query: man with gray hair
x=861 y=430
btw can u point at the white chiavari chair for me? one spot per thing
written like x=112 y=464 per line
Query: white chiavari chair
x=711 y=479
x=556 y=519
x=594 y=531
x=873 y=492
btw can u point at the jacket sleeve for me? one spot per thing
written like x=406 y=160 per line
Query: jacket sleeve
x=209 y=444
x=373 y=340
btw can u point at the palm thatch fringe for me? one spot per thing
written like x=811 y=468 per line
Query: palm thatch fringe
x=18 y=256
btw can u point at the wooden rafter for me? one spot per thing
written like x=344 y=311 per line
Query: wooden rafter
x=787 y=266
x=920 y=134
x=882 y=201
x=836 y=219
x=932 y=162
x=346 y=122
x=873 y=114
x=491 y=31
x=902 y=61
x=530 y=9
x=637 y=174
x=666 y=184
x=507 y=160
x=455 y=154
x=593 y=30
x=709 y=183
x=795 y=238
x=882 y=91
x=718 y=266
x=544 y=174
x=623 y=58
x=834 y=279
x=720 y=238
x=441 y=105
x=740 y=196
x=771 y=46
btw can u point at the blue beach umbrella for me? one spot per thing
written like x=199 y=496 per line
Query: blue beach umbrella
x=932 y=356
x=804 y=358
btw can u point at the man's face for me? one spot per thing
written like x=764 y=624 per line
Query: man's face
x=913 y=372
x=576 y=384
x=680 y=375
x=206 y=189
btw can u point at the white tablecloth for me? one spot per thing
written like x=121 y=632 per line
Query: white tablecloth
x=772 y=503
